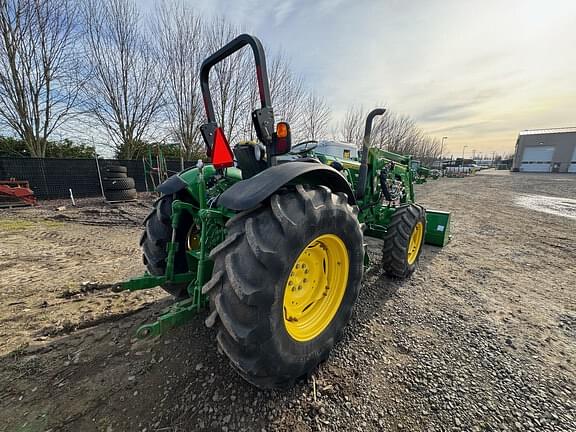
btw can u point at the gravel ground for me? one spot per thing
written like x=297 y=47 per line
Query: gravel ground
x=481 y=338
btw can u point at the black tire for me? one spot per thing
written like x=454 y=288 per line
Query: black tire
x=120 y=195
x=251 y=269
x=114 y=175
x=397 y=240
x=157 y=234
x=118 y=184
x=116 y=169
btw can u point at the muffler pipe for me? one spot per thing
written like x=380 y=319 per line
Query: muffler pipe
x=362 y=177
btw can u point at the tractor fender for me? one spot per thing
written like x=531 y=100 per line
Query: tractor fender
x=171 y=185
x=248 y=193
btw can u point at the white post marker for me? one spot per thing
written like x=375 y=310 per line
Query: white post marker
x=72 y=198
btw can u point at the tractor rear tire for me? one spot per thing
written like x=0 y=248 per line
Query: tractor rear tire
x=403 y=241
x=260 y=273
x=155 y=239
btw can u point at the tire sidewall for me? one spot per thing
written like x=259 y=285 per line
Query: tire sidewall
x=421 y=218
x=295 y=351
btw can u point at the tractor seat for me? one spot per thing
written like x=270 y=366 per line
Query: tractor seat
x=247 y=161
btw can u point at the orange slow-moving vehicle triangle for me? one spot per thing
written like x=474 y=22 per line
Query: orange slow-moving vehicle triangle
x=222 y=156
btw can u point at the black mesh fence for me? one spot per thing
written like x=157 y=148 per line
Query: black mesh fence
x=52 y=178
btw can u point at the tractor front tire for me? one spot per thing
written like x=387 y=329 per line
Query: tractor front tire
x=154 y=242
x=284 y=282
x=403 y=241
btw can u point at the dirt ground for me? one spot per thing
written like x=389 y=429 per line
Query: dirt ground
x=481 y=338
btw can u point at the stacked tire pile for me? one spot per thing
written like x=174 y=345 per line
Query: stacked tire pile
x=117 y=185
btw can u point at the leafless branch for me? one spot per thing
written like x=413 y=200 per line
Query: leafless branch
x=125 y=93
x=39 y=71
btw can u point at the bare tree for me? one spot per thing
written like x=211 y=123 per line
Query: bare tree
x=230 y=79
x=393 y=132
x=180 y=48
x=350 y=129
x=125 y=92
x=39 y=73
x=286 y=91
x=316 y=116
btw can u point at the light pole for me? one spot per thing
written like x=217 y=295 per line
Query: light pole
x=462 y=165
x=441 y=153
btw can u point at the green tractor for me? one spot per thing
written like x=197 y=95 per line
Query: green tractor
x=270 y=238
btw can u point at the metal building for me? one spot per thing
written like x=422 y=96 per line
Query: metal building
x=546 y=150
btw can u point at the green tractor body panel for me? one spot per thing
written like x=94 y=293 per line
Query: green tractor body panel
x=191 y=178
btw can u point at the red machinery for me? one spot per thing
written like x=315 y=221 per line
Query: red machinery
x=16 y=193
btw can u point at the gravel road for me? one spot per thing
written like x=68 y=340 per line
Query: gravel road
x=481 y=338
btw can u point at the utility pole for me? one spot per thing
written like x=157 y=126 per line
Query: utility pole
x=462 y=164
x=442 y=149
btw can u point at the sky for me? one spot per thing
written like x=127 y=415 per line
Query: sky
x=477 y=72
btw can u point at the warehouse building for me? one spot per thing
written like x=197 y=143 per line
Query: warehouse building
x=546 y=150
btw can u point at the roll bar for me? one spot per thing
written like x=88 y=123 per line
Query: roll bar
x=226 y=51
x=263 y=118
x=362 y=176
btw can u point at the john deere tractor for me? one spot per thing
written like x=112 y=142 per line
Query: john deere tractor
x=270 y=238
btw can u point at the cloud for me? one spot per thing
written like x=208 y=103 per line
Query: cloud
x=282 y=11
x=479 y=71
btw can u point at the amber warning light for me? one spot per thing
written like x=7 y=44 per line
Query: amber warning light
x=282 y=130
x=282 y=141
x=222 y=156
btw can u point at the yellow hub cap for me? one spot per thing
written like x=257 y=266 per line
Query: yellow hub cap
x=193 y=238
x=315 y=287
x=415 y=242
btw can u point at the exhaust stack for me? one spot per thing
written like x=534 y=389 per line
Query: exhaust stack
x=361 y=187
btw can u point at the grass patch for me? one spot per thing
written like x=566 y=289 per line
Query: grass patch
x=21 y=225
x=15 y=225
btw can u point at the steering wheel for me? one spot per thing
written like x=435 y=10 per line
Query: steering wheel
x=303 y=147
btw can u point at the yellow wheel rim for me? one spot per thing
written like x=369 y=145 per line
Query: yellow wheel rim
x=415 y=242
x=193 y=238
x=315 y=287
